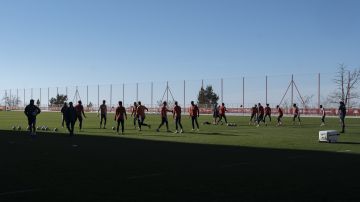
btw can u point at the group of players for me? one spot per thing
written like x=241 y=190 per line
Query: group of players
x=71 y=113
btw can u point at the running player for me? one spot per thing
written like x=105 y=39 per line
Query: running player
x=342 y=114
x=177 y=117
x=63 y=109
x=80 y=113
x=296 y=113
x=103 y=113
x=323 y=114
x=120 y=116
x=254 y=112
x=133 y=113
x=164 y=118
x=194 y=114
x=70 y=116
x=31 y=111
x=267 y=113
x=140 y=112
x=222 y=110
x=260 y=115
x=215 y=114
x=281 y=114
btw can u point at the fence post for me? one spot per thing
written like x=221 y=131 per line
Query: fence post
x=32 y=96
x=98 y=95
x=167 y=91
x=137 y=92
x=17 y=97
x=266 y=89
x=184 y=94
x=110 y=96
x=243 y=92
x=123 y=93
x=24 y=98
x=87 y=95
x=10 y=100
x=48 y=97
x=40 y=98
x=292 y=90
x=222 y=90
x=319 y=91
x=152 y=94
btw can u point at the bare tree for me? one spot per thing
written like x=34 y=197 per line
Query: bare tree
x=11 y=101
x=346 y=81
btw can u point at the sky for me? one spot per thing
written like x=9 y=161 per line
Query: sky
x=79 y=42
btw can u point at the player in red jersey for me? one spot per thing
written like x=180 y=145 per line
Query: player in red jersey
x=120 y=116
x=296 y=113
x=194 y=114
x=79 y=113
x=103 y=113
x=267 y=113
x=281 y=114
x=254 y=112
x=260 y=114
x=164 y=118
x=133 y=113
x=222 y=110
x=177 y=117
x=323 y=114
x=140 y=112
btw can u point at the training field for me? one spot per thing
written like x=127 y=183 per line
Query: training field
x=218 y=163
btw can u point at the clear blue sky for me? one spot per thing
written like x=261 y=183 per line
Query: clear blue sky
x=77 y=42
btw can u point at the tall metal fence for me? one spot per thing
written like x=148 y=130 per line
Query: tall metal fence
x=238 y=93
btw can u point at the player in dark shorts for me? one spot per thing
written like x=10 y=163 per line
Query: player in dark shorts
x=70 y=118
x=260 y=115
x=133 y=113
x=323 y=114
x=194 y=114
x=80 y=113
x=177 y=117
x=222 y=111
x=164 y=118
x=63 y=109
x=120 y=116
x=140 y=112
x=296 y=113
x=31 y=111
x=215 y=114
x=267 y=113
x=342 y=114
x=281 y=114
x=254 y=112
x=103 y=113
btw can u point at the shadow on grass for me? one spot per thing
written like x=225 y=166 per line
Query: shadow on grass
x=97 y=168
x=350 y=143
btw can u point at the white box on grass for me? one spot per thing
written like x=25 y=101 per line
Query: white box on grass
x=328 y=136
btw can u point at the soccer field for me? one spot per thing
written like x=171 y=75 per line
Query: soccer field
x=218 y=163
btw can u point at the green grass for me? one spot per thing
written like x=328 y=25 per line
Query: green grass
x=304 y=137
x=219 y=163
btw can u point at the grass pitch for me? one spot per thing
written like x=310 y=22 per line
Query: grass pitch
x=218 y=163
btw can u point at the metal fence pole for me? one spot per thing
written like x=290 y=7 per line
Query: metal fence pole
x=87 y=95
x=24 y=98
x=10 y=100
x=222 y=90
x=184 y=94
x=243 y=92
x=266 y=89
x=123 y=93
x=292 y=90
x=110 y=95
x=32 y=96
x=40 y=98
x=152 y=94
x=137 y=92
x=17 y=97
x=319 y=91
x=98 y=95
x=167 y=91
x=48 y=97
